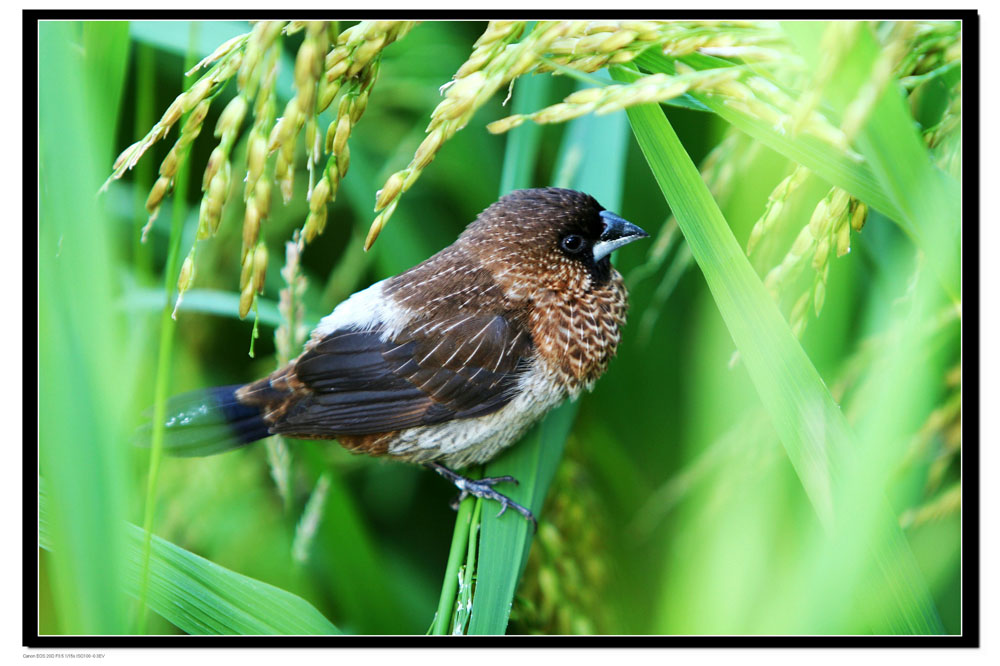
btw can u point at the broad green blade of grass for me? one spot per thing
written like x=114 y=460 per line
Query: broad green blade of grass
x=199 y=596
x=81 y=445
x=814 y=432
x=592 y=160
x=928 y=200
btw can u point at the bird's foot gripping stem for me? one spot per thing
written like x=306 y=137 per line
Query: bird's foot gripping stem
x=483 y=488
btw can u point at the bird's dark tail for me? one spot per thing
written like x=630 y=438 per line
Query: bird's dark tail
x=208 y=421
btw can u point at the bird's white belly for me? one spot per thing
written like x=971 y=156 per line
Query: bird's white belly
x=464 y=442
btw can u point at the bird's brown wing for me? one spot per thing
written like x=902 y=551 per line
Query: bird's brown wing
x=356 y=383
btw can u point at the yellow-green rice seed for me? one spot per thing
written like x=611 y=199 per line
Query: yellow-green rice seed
x=822 y=252
x=168 y=167
x=262 y=196
x=251 y=225
x=341 y=134
x=315 y=221
x=843 y=239
x=126 y=155
x=858 y=216
x=195 y=120
x=344 y=160
x=186 y=276
x=364 y=53
x=379 y=223
x=246 y=299
x=156 y=194
x=623 y=57
x=473 y=64
x=819 y=222
x=215 y=161
x=586 y=96
x=618 y=40
x=173 y=112
x=819 y=296
x=338 y=70
x=327 y=92
x=505 y=124
x=320 y=195
x=208 y=217
x=392 y=189
x=256 y=156
x=196 y=94
x=260 y=266
x=427 y=150
x=232 y=116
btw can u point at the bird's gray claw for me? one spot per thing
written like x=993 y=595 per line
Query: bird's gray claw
x=483 y=488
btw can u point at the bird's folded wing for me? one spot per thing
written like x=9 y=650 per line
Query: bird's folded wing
x=357 y=383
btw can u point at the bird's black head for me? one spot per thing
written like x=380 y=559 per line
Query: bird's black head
x=549 y=237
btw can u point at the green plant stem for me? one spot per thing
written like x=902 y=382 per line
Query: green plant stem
x=470 y=560
x=459 y=542
x=167 y=329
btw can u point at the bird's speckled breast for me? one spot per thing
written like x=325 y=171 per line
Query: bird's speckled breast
x=578 y=333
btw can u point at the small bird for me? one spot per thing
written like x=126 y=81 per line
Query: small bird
x=451 y=361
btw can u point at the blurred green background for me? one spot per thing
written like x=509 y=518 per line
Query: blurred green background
x=675 y=510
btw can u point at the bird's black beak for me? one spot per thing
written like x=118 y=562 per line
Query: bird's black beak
x=617 y=232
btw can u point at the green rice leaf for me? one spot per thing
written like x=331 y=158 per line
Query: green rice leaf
x=199 y=596
x=813 y=430
x=80 y=439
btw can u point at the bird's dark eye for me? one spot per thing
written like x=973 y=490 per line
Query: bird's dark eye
x=572 y=243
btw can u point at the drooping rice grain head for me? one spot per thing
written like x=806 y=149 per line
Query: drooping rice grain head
x=776 y=203
x=200 y=91
x=826 y=233
x=462 y=99
x=607 y=99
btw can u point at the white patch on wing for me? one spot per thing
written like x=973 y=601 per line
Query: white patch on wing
x=363 y=311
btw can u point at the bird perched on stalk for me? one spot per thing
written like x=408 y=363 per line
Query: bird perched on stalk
x=450 y=362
